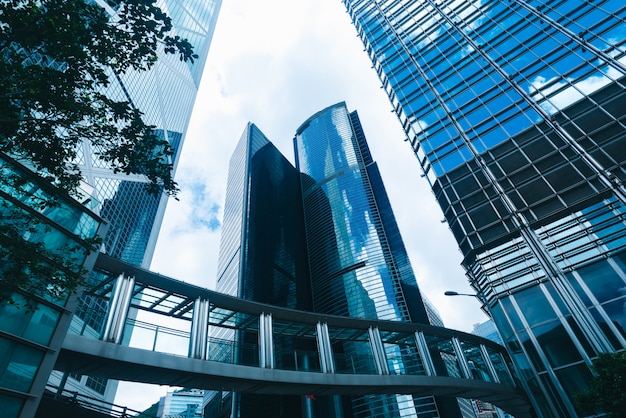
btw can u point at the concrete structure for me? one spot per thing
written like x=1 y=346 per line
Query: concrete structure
x=515 y=111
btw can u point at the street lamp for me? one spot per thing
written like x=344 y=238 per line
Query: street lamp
x=453 y=293
x=478 y=296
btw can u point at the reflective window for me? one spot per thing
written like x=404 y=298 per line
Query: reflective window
x=534 y=306
x=18 y=365
x=574 y=379
x=36 y=325
x=556 y=344
x=11 y=407
x=603 y=281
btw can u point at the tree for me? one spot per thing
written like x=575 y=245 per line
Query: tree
x=57 y=57
x=607 y=391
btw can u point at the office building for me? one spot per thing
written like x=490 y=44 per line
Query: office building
x=165 y=95
x=31 y=334
x=320 y=237
x=183 y=403
x=515 y=111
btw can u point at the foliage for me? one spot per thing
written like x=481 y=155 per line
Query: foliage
x=57 y=60
x=607 y=391
x=36 y=257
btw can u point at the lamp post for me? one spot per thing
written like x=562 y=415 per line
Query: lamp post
x=478 y=296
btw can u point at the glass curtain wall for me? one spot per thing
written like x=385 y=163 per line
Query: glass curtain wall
x=515 y=111
x=358 y=263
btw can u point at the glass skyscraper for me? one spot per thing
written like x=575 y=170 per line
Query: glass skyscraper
x=166 y=95
x=515 y=111
x=320 y=237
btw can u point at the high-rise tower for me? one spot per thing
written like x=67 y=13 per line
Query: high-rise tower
x=515 y=111
x=321 y=237
x=166 y=95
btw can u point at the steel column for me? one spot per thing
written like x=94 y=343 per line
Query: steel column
x=378 y=350
x=118 y=308
x=324 y=348
x=266 y=341
x=199 y=329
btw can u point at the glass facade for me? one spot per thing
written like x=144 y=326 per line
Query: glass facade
x=358 y=263
x=321 y=238
x=33 y=325
x=515 y=112
x=262 y=252
x=165 y=95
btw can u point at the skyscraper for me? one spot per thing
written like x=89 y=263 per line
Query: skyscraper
x=166 y=95
x=515 y=111
x=321 y=237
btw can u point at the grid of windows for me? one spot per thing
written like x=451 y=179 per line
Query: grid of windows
x=357 y=260
x=515 y=111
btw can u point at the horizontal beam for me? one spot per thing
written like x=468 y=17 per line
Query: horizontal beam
x=97 y=358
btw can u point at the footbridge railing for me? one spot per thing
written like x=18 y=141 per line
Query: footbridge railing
x=137 y=325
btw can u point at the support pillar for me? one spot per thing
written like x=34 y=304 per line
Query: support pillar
x=266 y=341
x=422 y=348
x=324 y=348
x=378 y=350
x=199 y=329
x=465 y=370
x=118 y=309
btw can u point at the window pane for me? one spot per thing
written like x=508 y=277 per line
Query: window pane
x=556 y=344
x=603 y=281
x=19 y=365
x=534 y=306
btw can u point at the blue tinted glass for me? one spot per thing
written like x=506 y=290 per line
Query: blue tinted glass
x=534 y=306
x=603 y=281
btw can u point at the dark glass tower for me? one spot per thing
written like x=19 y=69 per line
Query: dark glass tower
x=321 y=237
x=515 y=111
x=262 y=254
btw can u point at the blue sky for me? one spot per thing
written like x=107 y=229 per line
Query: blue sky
x=275 y=63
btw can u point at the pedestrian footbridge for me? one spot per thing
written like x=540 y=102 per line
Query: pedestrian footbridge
x=136 y=325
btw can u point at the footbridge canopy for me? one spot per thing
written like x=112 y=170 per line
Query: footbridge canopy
x=136 y=325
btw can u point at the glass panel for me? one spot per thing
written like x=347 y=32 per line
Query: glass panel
x=616 y=310
x=35 y=325
x=534 y=306
x=11 y=407
x=295 y=346
x=503 y=325
x=402 y=354
x=475 y=361
x=574 y=379
x=352 y=352
x=530 y=349
x=607 y=330
x=354 y=357
x=443 y=356
x=603 y=281
x=18 y=365
x=500 y=366
x=556 y=344
x=539 y=397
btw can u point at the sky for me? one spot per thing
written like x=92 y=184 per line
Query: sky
x=275 y=63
